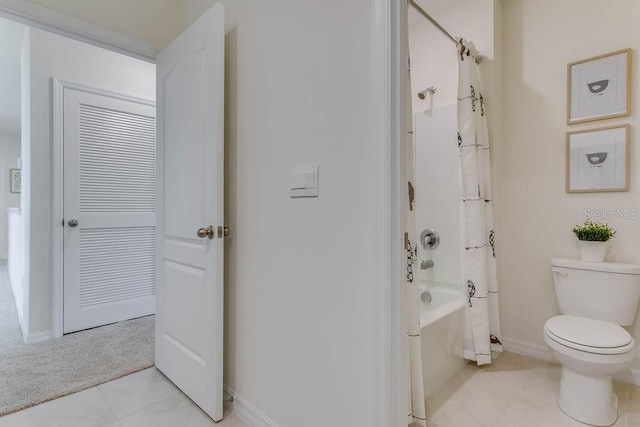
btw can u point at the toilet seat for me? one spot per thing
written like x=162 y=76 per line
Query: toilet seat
x=588 y=335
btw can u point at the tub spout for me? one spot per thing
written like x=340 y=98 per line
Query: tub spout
x=426 y=264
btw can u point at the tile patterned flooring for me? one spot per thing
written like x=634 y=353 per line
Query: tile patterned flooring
x=514 y=391
x=144 y=399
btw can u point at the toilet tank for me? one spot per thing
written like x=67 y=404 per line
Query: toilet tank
x=597 y=290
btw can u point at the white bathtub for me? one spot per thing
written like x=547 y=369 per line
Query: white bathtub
x=441 y=334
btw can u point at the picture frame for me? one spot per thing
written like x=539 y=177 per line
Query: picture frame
x=15 y=180
x=599 y=88
x=598 y=160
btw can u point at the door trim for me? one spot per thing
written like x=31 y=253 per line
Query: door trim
x=58 y=87
x=389 y=31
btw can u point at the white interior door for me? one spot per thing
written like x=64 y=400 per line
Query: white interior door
x=189 y=331
x=109 y=208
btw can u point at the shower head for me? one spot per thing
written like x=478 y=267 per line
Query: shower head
x=428 y=91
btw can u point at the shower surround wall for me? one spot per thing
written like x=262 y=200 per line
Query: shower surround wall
x=437 y=192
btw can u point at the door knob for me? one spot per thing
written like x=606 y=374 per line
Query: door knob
x=223 y=231
x=73 y=223
x=206 y=232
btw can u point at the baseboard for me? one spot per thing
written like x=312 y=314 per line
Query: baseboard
x=541 y=352
x=251 y=415
x=38 y=337
x=631 y=376
x=524 y=348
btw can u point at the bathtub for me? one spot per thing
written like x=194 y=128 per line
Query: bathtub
x=441 y=334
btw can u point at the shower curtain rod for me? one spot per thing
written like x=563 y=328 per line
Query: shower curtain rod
x=433 y=21
x=417 y=7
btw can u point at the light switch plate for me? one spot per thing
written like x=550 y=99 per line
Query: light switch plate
x=304 y=181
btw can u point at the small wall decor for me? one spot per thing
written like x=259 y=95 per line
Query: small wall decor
x=598 y=160
x=599 y=87
x=15 y=180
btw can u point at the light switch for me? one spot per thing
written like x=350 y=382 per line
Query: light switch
x=310 y=180
x=303 y=181
x=298 y=181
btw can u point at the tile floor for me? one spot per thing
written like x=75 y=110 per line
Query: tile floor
x=144 y=399
x=514 y=391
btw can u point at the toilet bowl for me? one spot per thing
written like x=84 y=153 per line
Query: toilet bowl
x=590 y=351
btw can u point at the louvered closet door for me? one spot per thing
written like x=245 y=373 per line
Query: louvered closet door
x=109 y=190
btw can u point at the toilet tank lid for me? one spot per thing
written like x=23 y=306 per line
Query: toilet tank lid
x=609 y=267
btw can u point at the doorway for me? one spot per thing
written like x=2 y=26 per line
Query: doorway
x=191 y=123
x=126 y=90
x=51 y=58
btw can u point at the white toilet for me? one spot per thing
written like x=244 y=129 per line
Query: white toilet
x=594 y=299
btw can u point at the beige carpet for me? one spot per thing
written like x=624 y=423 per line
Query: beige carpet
x=36 y=373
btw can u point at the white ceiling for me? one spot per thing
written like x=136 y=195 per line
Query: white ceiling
x=11 y=36
x=433 y=8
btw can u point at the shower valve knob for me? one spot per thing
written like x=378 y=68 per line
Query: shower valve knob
x=429 y=238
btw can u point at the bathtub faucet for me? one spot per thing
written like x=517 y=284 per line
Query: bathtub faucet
x=426 y=264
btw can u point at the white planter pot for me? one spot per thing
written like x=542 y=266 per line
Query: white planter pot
x=592 y=251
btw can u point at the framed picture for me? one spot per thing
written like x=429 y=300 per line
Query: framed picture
x=598 y=160
x=599 y=87
x=15 y=180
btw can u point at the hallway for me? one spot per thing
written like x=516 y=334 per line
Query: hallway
x=35 y=373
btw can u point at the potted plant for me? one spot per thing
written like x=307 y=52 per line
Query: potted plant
x=592 y=240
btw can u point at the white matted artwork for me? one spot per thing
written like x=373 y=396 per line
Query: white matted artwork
x=598 y=160
x=599 y=87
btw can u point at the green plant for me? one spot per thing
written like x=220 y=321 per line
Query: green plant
x=594 y=232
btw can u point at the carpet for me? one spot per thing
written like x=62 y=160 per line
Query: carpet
x=36 y=373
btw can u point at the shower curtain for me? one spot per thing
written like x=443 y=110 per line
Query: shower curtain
x=412 y=293
x=482 y=337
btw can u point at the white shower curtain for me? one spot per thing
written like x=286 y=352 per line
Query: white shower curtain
x=482 y=337
x=412 y=293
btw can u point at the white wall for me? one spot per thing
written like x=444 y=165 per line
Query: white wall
x=11 y=36
x=14 y=261
x=298 y=283
x=152 y=21
x=533 y=211
x=50 y=56
x=9 y=155
x=433 y=55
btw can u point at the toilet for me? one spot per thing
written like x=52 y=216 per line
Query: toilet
x=595 y=300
